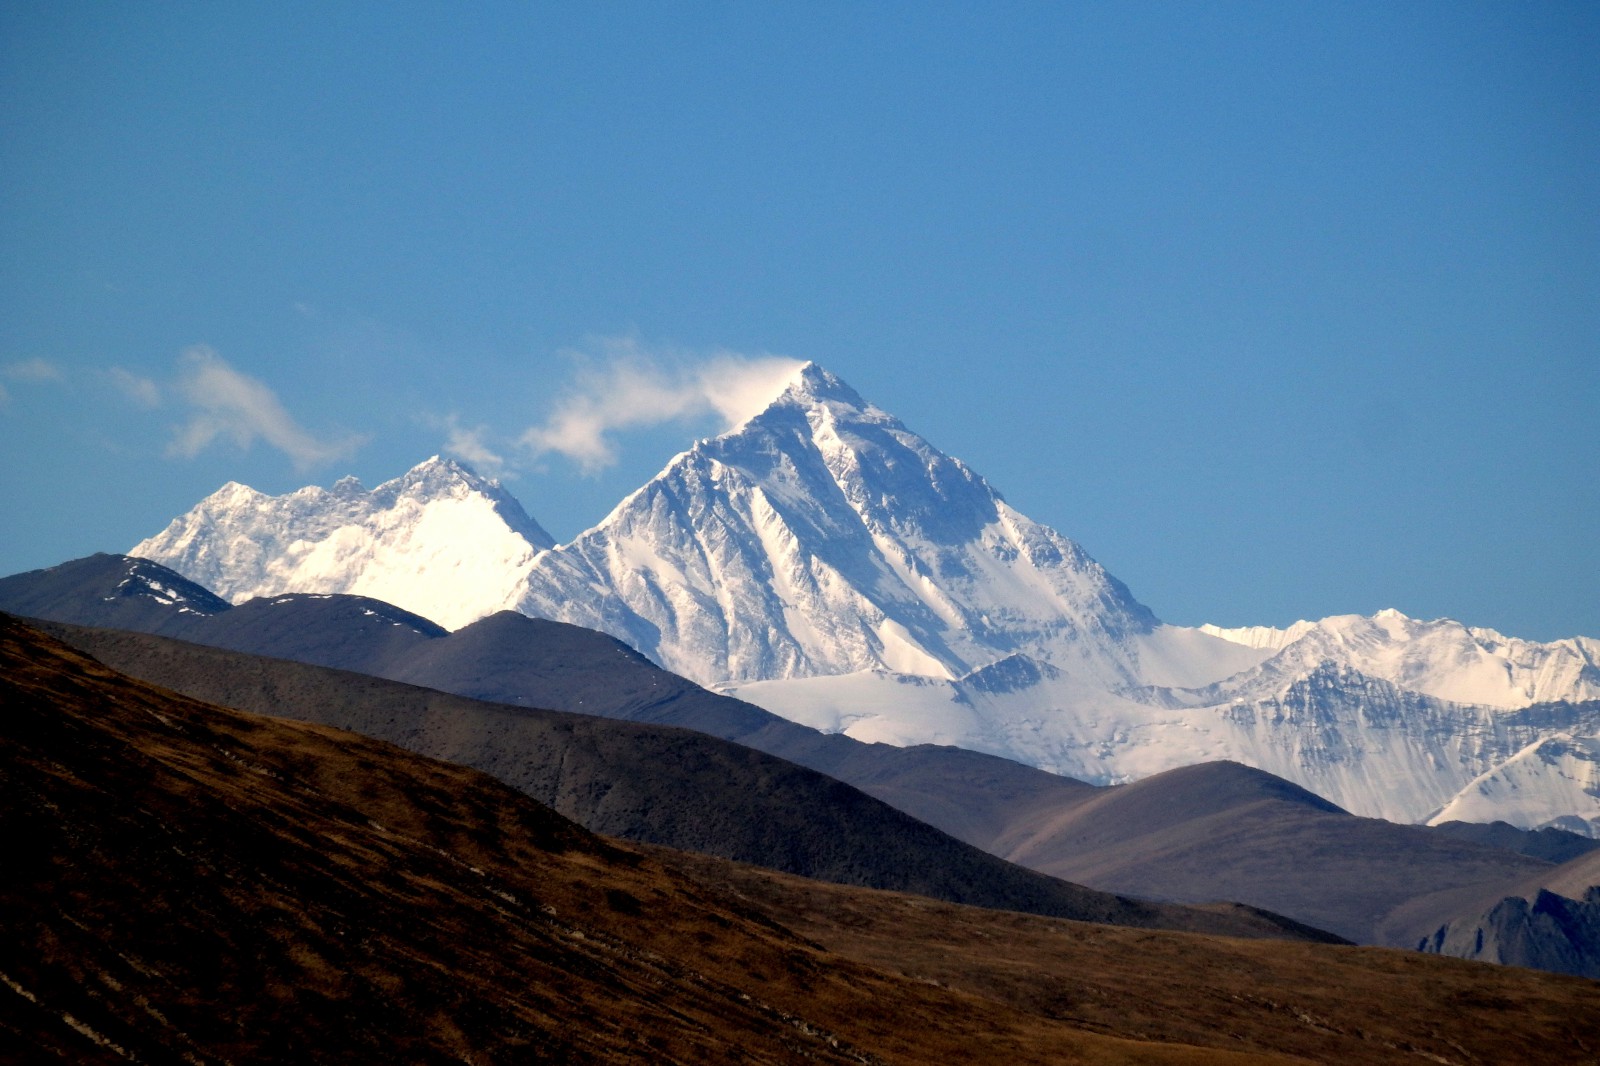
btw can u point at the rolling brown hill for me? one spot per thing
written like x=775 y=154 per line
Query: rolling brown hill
x=187 y=883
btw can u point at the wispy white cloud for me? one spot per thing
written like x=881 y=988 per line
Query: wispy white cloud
x=229 y=405
x=471 y=443
x=628 y=387
x=32 y=370
x=141 y=390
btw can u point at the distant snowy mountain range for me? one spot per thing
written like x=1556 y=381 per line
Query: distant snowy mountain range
x=825 y=562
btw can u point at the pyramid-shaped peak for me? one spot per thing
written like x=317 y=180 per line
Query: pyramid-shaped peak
x=806 y=389
x=814 y=384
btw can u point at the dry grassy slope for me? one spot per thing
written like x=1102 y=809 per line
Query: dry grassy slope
x=652 y=783
x=187 y=883
x=1206 y=832
x=1313 y=1002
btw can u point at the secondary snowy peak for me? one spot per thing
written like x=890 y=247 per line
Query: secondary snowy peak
x=439 y=540
x=823 y=537
x=1261 y=637
x=1441 y=658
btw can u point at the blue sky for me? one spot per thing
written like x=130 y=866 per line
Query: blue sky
x=1281 y=310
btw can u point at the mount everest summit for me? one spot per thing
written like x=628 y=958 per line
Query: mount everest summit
x=827 y=563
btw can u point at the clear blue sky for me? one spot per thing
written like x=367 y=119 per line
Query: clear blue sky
x=1281 y=310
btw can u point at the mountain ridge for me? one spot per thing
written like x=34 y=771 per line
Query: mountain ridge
x=827 y=563
x=431 y=540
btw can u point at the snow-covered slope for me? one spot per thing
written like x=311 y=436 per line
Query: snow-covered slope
x=824 y=537
x=1554 y=781
x=438 y=540
x=1368 y=745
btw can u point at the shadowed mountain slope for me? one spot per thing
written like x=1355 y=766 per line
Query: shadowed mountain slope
x=1226 y=831
x=114 y=591
x=1544 y=931
x=510 y=658
x=1549 y=920
x=1550 y=844
x=191 y=884
x=649 y=783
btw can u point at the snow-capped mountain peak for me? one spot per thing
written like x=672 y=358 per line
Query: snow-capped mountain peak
x=814 y=385
x=823 y=536
x=439 y=540
x=1267 y=637
x=1441 y=658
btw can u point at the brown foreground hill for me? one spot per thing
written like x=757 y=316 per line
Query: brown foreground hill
x=185 y=883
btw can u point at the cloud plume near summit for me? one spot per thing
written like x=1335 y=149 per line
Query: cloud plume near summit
x=631 y=388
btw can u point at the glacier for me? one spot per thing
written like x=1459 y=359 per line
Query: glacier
x=825 y=562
